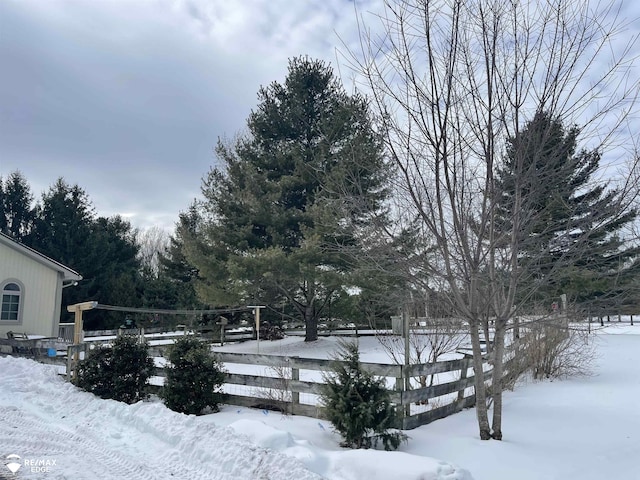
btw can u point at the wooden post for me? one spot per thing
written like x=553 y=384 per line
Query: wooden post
x=223 y=321
x=256 y=312
x=295 y=396
x=69 y=363
x=404 y=410
x=407 y=358
x=78 y=327
x=463 y=375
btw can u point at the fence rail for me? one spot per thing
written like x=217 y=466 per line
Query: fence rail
x=447 y=397
x=442 y=398
x=65 y=332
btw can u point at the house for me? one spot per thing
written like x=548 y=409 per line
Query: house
x=31 y=286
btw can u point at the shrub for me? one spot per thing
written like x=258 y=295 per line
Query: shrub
x=271 y=332
x=193 y=379
x=357 y=404
x=552 y=349
x=120 y=372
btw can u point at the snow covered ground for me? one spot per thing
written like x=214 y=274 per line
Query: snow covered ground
x=582 y=428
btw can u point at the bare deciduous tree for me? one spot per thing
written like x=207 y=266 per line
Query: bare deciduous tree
x=452 y=80
x=427 y=344
x=152 y=241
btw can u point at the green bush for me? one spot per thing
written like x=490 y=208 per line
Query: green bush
x=357 y=404
x=120 y=372
x=193 y=379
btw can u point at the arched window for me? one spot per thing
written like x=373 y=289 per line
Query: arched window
x=11 y=297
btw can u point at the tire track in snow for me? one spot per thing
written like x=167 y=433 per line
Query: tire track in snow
x=41 y=416
x=75 y=452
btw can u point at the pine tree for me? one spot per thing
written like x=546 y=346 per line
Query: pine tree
x=63 y=225
x=174 y=269
x=103 y=250
x=16 y=202
x=357 y=404
x=560 y=202
x=174 y=284
x=277 y=210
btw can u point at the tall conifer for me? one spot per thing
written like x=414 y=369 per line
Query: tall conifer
x=284 y=197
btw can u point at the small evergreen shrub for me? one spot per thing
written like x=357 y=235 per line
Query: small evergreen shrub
x=194 y=378
x=120 y=372
x=357 y=404
x=271 y=332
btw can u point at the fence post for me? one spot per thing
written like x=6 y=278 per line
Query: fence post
x=295 y=396
x=463 y=375
x=401 y=384
x=69 y=361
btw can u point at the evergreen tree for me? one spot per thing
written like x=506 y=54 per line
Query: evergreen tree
x=559 y=202
x=277 y=209
x=357 y=404
x=102 y=250
x=173 y=287
x=63 y=225
x=16 y=201
x=194 y=378
x=120 y=372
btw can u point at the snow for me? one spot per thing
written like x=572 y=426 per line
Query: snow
x=581 y=428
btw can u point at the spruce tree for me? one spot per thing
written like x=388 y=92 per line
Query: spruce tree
x=357 y=404
x=277 y=208
x=570 y=224
x=174 y=270
x=16 y=202
x=103 y=250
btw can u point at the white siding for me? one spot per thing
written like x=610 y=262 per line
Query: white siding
x=40 y=296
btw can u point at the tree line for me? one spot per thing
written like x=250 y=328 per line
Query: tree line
x=107 y=251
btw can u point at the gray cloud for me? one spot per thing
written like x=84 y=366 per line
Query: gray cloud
x=127 y=99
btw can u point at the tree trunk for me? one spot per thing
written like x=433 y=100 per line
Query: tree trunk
x=498 y=373
x=310 y=323
x=478 y=375
x=487 y=337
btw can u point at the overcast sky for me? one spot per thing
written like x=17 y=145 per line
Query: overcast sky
x=128 y=98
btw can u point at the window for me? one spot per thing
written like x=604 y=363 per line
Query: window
x=10 y=309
